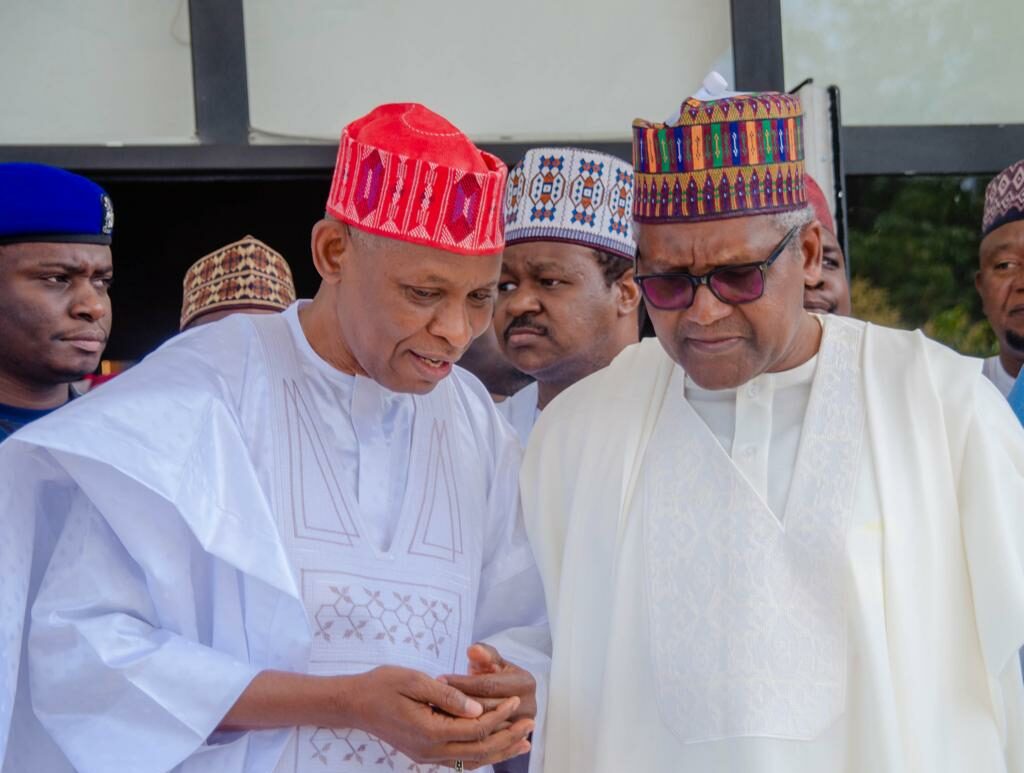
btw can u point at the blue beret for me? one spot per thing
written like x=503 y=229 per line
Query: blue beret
x=44 y=204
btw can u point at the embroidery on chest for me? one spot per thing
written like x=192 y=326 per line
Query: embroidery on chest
x=333 y=750
x=318 y=507
x=438 y=533
x=360 y=618
x=366 y=607
x=747 y=610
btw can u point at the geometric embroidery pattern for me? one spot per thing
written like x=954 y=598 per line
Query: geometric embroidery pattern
x=738 y=155
x=755 y=597
x=360 y=619
x=586 y=192
x=244 y=274
x=514 y=193
x=438 y=531
x=310 y=471
x=365 y=614
x=571 y=195
x=336 y=751
x=547 y=186
x=620 y=203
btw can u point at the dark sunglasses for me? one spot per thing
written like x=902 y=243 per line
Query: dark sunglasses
x=734 y=285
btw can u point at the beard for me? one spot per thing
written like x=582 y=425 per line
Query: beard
x=1015 y=341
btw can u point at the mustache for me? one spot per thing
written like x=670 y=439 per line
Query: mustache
x=524 y=321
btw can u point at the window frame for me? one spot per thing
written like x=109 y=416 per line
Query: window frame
x=223 y=146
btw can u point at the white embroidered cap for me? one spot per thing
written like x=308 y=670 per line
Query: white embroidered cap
x=571 y=195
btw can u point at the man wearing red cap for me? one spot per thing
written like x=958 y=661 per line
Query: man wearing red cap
x=831 y=293
x=281 y=560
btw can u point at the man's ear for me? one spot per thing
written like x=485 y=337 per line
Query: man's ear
x=627 y=293
x=811 y=250
x=331 y=244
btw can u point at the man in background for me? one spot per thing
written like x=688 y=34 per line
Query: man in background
x=567 y=302
x=831 y=293
x=55 y=275
x=1000 y=277
x=245 y=276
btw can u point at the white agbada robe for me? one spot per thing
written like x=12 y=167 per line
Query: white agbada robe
x=996 y=373
x=521 y=411
x=236 y=505
x=819 y=571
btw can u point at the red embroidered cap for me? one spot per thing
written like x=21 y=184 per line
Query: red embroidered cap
x=406 y=173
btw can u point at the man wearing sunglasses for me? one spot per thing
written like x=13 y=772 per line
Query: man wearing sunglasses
x=772 y=541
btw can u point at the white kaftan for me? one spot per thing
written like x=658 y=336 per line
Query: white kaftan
x=238 y=505
x=725 y=599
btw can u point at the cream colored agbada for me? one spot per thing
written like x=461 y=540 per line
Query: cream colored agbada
x=818 y=571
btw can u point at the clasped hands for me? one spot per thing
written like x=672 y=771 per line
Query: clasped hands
x=481 y=718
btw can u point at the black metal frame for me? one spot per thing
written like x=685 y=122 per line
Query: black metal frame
x=222 y=117
x=219 y=76
x=757 y=45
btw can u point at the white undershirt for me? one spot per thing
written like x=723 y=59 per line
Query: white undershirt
x=759 y=425
x=996 y=373
x=521 y=411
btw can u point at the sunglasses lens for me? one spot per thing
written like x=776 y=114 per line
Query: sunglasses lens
x=739 y=285
x=668 y=292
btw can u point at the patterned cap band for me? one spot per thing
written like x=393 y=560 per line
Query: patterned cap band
x=404 y=172
x=245 y=275
x=1004 y=199
x=742 y=154
x=571 y=195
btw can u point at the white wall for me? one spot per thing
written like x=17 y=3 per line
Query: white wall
x=521 y=70
x=119 y=71
x=95 y=71
x=911 y=61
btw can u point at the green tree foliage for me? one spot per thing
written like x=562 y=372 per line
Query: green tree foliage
x=913 y=254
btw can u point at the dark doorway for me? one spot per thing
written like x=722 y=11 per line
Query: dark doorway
x=164 y=224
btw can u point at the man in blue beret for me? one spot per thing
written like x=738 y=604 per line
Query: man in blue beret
x=55 y=274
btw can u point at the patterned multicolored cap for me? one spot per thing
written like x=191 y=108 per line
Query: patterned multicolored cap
x=726 y=154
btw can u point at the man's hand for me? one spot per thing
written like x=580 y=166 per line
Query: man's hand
x=423 y=718
x=492 y=681
x=433 y=722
